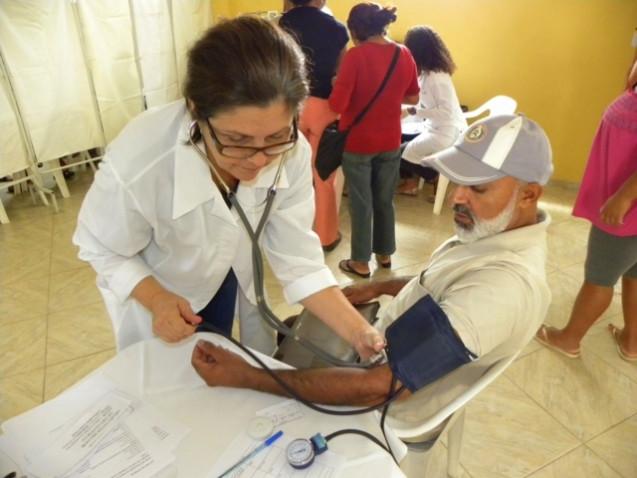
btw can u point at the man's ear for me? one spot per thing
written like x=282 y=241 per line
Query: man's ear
x=530 y=194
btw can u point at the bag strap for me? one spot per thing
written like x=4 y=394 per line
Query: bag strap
x=380 y=89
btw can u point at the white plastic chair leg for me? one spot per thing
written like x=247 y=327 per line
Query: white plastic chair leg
x=43 y=197
x=32 y=193
x=4 y=219
x=454 y=443
x=441 y=194
x=60 y=181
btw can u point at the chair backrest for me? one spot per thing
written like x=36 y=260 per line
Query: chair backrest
x=435 y=420
x=498 y=105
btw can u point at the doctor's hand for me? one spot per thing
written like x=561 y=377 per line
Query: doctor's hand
x=368 y=342
x=219 y=367
x=173 y=318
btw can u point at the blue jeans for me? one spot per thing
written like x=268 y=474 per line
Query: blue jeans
x=371 y=180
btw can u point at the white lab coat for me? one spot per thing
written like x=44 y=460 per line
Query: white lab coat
x=154 y=210
x=440 y=108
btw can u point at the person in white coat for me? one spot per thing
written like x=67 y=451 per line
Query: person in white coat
x=438 y=107
x=161 y=223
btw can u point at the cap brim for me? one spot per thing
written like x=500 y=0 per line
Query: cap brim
x=462 y=168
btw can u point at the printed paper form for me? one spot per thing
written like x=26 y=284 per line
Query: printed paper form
x=121 y=454
x=139 y=443
x=282 y=412
x=140 y=447
x=80 y=437
x=272 y=462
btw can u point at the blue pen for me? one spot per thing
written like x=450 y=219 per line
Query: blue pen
x=250 y=455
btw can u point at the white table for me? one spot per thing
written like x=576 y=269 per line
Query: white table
x=161 y=375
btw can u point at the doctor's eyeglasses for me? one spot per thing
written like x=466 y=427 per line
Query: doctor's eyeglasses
x=245 y=152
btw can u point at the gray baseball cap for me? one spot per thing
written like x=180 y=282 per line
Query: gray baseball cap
x=495 y=147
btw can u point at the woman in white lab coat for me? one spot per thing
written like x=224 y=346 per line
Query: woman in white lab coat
x=438 y=106
x=158 y=224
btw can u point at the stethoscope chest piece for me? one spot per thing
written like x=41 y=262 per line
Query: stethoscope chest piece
x=300 y=453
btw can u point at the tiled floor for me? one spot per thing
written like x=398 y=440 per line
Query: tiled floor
x=547 y=416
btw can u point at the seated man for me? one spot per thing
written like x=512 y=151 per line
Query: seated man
x=487 y=283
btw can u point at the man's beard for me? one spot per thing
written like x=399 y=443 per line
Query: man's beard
x=484 y=227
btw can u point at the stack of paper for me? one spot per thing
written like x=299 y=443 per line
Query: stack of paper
x=116 y=435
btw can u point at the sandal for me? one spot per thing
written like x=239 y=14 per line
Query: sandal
x=616 y=332
x=346 y=266
x=332 y=245
x=384 y=264
x=408 y=192
x=542 y=337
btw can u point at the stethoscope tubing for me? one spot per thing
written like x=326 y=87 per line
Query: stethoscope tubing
x=266 y=313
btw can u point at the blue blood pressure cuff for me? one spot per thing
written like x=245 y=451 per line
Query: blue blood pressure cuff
x=422 y=346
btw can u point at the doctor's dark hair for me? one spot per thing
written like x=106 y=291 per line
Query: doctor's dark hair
x=246 y=61
x=368 y=19
x=428 y=50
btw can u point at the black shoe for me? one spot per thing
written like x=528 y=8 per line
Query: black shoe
x=333 y=245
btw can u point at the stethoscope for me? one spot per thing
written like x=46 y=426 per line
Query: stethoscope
x=266 y=313
x=301 y=452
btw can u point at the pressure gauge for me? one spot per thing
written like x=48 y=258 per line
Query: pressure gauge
x=300 y=453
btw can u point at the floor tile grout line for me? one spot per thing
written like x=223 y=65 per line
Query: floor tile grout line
x=555 y=460
x=610 y=465
x=561 y=454
x=611 y=365
x=61 y=362
x=46 y=329
x=539 y=404
x=581 y=442
x=606 y=430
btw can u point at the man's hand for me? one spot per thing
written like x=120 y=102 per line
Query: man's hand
x=173 y=318
x=219 y=367
x=614 y=210
x=361 y=293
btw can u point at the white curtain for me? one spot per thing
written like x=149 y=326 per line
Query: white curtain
x=109 y=46
x=41 y=47
x=190 y=19
x=155 y=47
x=81 y=69
x=13 y=154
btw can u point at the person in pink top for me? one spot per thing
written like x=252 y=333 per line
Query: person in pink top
x=372 y=152
x=607 y=199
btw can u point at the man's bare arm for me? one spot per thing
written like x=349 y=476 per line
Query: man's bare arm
x=361 y=293
x=330 y=386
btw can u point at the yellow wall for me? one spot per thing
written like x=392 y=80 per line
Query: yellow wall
x=562 y=60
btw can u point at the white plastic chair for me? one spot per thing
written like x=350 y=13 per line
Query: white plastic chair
x=32 y=179
x=451 y=417
x=498 y=105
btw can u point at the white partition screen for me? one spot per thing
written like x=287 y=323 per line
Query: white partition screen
x=41 y=47
x=13 y=154
x=190 y=19
x=153 y=33
x=79 y=70
x=107 y=31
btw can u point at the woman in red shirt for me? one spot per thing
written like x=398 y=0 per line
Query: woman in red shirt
x=372 y=152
